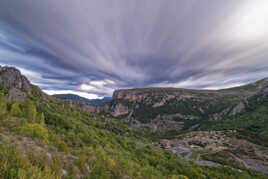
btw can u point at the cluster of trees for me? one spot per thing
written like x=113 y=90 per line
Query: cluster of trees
x=202 y=107
x=104 y=148
x=17 y=109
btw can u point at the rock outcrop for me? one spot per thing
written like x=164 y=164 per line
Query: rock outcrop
x=16 y=95
x=132 y=96
x=12 y=78
x=15 y=86
x=238 y=109
x=120 y=110
x=89 y=108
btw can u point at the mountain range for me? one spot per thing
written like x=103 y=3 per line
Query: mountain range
x=79 y=98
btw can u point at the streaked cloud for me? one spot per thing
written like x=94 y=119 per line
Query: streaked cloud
x=82 y=94
x=97 y=46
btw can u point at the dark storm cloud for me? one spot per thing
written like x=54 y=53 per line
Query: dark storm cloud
x=99 y=45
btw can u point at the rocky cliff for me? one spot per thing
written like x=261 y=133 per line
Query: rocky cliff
x=12 y=78
x=171 y=109
x=16 y=86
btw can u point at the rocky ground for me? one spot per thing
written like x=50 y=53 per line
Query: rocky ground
x=216 y=148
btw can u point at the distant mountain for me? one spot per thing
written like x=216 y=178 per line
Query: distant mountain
x=79 y=98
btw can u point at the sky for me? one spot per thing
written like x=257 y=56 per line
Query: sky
x=92 y=48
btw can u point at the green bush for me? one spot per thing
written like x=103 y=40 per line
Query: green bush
x=30 y=110
x=3 y=104
x=36 y=131
x=16 y=110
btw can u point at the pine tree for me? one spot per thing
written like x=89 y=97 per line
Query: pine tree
x=42 y=119
x=3 y=104
x=15 y=110
x=30 y=111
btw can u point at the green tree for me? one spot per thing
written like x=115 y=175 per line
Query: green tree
x=15 y=110
x=36 y=131
x=30 y=110
x=3 y=104
x=42 y=119
x=178 y=177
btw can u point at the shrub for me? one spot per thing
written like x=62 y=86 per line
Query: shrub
x=30 y=110
x=36 y=131
x=16 y=110
x=3 y=104
x=14 y=165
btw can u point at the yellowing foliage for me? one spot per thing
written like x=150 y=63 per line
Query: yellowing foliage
x=36 y=131
x=3 y=104
x=15 y=110
x=30 y=110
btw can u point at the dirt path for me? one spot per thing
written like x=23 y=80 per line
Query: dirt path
x=179 y=150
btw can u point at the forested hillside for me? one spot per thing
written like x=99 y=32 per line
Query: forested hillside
x=252 y=124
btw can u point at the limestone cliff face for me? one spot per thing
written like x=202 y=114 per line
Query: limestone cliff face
x=89 y=108
x=15 y=83
x=238 y=109
x=12 y=78
x=171 y=109
x=120 y=110
x=16 y=95
x=129 y=95
x=154 y=96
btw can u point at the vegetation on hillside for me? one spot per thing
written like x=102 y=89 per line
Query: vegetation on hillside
x=99 y=147
x=251 y=125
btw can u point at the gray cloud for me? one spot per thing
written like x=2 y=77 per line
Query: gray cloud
x=100 y=45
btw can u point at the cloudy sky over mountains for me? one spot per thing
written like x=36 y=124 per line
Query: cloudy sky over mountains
x=93 y=47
